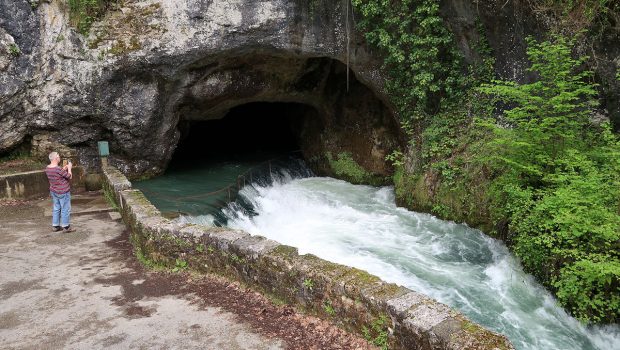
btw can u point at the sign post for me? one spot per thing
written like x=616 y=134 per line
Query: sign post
x=104 y=152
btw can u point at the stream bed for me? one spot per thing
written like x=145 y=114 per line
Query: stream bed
x=361 y=226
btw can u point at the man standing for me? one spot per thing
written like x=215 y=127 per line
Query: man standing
x=60 y=192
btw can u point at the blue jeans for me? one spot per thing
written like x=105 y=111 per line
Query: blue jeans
x=61 y=209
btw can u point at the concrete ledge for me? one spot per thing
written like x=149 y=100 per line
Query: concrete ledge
x=352 y=298
x=33 y=184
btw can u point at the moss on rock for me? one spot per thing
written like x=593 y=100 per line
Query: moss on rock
x=345 y=167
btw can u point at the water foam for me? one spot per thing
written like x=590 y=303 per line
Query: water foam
x=361 y=226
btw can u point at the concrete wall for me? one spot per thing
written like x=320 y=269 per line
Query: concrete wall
x=34 y=184
x=350 y=297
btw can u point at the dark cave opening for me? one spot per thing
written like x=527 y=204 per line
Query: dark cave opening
x=256 y=107
x=249 y=132
x=215 y=158
x=245 y=122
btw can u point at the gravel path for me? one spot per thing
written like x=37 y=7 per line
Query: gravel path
x=85 y=290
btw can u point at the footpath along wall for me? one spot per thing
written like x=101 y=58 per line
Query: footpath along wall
x=352 y=298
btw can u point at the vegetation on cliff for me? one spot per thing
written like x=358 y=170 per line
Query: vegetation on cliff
x=82 y=13
x=419 y=55
x=559 y=181
x=345 y=167
x=537 y=171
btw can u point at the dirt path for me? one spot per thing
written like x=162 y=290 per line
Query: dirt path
x=86 y=290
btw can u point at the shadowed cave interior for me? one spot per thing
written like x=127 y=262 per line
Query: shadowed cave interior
x=251 y=131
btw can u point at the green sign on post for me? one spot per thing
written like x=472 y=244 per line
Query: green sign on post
x=104 y=150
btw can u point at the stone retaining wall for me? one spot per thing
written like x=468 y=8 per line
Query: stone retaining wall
x=352 y=298
x=33 y=184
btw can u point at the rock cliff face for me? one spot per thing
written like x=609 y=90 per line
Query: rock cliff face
x=149 y=65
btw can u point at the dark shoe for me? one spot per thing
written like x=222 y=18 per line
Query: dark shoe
x=56 y=228
x=68 y=229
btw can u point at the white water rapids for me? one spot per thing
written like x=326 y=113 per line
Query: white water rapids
x=361 y=226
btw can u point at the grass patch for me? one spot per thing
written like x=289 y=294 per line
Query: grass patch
x=14 y=50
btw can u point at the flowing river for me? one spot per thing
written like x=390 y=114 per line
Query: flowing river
x=361 y=226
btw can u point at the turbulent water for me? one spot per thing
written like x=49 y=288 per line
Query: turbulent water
x=361 y=226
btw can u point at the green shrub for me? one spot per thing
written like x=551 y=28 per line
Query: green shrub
x=377 y=334
x=420 y=57
x=180 y=265
x=560 y=181
x=590 y=288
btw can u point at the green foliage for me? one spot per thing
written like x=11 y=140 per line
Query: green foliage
x=574 y=16
x=14 y=50
x=560 y=181
x=308 y=283
x=346 y=167
x=377 y=334
x=589 y=8
x=180 y=265
x=236 y=259
x=396 y=158
x=83 y=13
x=329 y=308
x=593 y=287
x=145 y=260
x=423 y=63
x=551 y=115
x=428 y=82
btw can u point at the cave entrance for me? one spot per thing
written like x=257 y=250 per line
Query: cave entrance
x=215 y=158
x=239 y=113
x=251 y=132
x=259 y=101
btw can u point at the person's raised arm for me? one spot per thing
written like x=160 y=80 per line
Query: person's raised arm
x=66 y=171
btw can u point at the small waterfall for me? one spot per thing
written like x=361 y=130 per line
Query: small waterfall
x=361 y=226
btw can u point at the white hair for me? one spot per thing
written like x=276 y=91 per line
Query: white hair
x=53 y=155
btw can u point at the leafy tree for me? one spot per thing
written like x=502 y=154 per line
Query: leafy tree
x=560 y=181
x=550 y=116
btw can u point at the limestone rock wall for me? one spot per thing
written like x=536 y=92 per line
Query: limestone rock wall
x=151 y=63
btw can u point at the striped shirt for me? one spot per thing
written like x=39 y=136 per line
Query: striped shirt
x=59 y=180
